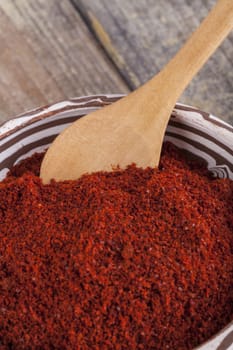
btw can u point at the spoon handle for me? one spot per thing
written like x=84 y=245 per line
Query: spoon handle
x=131 y=130
x=200 y=46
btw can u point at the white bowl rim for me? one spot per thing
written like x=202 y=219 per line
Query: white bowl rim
x=19 y=121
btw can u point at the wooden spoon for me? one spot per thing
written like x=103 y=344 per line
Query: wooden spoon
x=131 y=130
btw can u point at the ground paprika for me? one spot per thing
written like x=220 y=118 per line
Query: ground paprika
x=133 y=259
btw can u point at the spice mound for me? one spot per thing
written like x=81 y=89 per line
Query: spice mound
x=128 y=259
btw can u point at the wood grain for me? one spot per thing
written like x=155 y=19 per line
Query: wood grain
x=48 y=54
x=141 y=36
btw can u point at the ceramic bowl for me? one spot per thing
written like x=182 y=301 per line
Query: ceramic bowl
x=200 y=134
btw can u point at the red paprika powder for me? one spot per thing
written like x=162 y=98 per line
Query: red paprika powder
x=133 y=259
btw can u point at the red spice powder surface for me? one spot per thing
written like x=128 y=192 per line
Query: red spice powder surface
x=133 y=259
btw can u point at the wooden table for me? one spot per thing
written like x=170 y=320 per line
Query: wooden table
x=55 y=49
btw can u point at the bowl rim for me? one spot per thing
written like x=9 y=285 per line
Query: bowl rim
x=26 y=118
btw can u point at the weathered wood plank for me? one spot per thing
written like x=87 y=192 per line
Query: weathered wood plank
x=48 y=54
x=141 y=36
